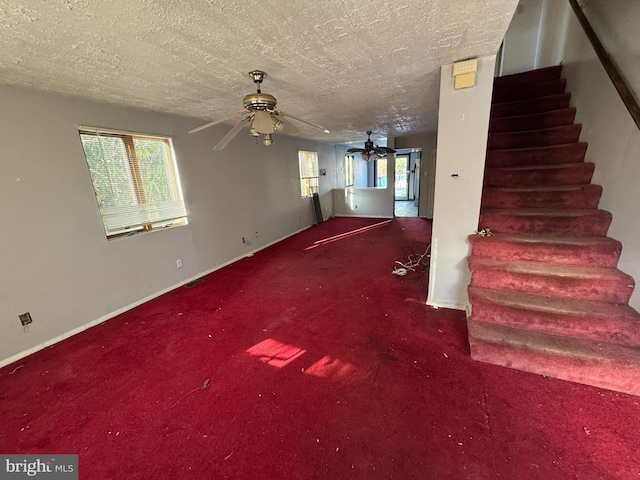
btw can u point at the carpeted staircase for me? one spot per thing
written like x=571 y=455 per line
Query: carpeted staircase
x=545 y=292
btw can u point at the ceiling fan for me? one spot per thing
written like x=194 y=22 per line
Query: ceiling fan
x=261 y=114
x=371 y=152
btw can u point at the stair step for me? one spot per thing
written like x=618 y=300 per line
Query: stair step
x=545 y=294
x=536 y=121
x=593 y=363
x=515 y=93
x=535 y=138
x=556 y=154
x=535 y=105
x=533 y=76
x=564 y=196
x=601 y=321
x=563 y=281
x=544 y=221
x=538 y=175
x=593 y=251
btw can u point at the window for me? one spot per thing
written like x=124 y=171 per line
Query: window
x=308 y=172
x=135 y=180
x=381 y=173
x=349 y=170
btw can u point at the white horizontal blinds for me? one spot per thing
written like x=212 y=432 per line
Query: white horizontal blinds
x=308 y=172
x=135 y=180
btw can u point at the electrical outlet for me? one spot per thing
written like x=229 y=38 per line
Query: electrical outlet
x=179 y=263
x=25 y=319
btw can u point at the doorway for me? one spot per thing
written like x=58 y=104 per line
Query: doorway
x=405 y=204
x=401 y=184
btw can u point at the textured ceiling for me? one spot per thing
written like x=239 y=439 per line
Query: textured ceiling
x=349 y=65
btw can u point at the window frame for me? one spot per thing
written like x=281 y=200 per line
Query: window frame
x=137 y=183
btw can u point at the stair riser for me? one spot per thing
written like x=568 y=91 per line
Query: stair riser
x=526 y=107
x=561 y=154
x=577 y=174
x=540 y=121
x=532 y=77
x=610 y=375
x=604 y=288
x=579 y=198
x=595 y=225
x=606 y=256
x=535 y=138
x=517 y=93
x=610 y=330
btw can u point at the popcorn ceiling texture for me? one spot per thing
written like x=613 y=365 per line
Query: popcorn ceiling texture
x=350 y=65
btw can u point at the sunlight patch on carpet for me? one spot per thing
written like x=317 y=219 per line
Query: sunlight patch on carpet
x=274 y=353
x=338 y=370
x=342 y=236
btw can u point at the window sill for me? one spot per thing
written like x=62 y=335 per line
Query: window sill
x=138 y=232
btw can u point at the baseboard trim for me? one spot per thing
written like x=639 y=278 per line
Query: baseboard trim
x=361 y=216
x=451 y=305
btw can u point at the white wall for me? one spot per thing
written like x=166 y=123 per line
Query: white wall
x=613 y=138
x=363 y=202
x=463 y=125
x=56 y=262
x=554 y=22
x=521 y=40
x=360 y=168
x=616 y=23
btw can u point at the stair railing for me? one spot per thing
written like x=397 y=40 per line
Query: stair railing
x=614 y=74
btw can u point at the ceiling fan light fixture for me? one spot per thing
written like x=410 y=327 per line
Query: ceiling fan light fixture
x=267 y=139
x=262 y=122
x=253 y=132
x=277 y=124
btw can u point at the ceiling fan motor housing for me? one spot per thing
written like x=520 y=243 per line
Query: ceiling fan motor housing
x=259 y=101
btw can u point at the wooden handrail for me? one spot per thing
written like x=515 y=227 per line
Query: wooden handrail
x=614 y=74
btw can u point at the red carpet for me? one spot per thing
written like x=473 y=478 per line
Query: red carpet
x=308 y=360
x=546 y=294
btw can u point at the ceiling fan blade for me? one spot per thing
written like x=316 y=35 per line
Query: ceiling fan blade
x=356 y=150
x=288 y=127
x=215 y=122
x=231 y=134
x=314 y=125
x=262 y=122
x=383 y=150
